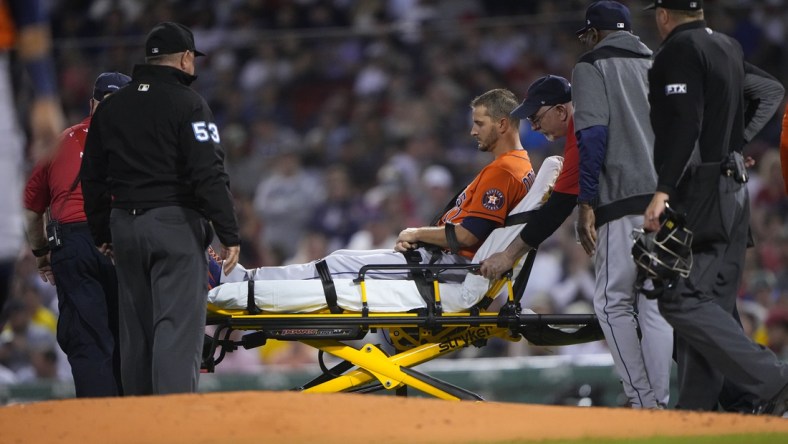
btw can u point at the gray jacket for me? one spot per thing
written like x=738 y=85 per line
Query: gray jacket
x=610 y=89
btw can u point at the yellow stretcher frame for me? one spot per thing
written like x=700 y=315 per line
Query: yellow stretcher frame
x=417 y=337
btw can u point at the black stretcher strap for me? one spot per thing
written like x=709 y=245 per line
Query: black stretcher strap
x=251 y=307
x=419 y=276
x=329 y=290
x=518 y=219
x=518 y=287
x=451 y=239
x=521 y=281
x=449 y=205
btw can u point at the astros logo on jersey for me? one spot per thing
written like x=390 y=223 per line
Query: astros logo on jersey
x=493 y=199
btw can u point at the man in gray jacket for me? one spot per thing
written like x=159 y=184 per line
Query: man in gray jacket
x=617 y=181
x=615 y=141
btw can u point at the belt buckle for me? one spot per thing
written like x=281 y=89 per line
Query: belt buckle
x=136 y=211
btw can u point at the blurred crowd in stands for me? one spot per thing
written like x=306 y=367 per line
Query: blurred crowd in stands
x=345 y=121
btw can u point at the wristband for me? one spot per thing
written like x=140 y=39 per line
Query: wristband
x=593 y=203
x=41 y=252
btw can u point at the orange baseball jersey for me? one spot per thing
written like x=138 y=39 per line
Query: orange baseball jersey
x=493 y=193
x=784 y=150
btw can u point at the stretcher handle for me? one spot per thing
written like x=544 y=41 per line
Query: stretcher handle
x=434 y=268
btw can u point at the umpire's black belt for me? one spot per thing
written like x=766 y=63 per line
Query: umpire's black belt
x=141 y=211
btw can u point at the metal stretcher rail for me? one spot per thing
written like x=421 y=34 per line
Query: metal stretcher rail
x=376 y=320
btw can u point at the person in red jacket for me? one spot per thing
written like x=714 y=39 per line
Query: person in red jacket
x=548 y=109
x=87 y=288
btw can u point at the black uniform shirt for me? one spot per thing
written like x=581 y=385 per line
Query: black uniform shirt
x=696 y=95
x=154 y=143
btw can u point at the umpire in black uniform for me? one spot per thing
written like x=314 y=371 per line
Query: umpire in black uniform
x=152 y=176
x=697 y=113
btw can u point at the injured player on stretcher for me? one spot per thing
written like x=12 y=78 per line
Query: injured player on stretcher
x=299 y=288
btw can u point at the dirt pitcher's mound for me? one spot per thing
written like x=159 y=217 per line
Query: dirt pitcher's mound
x=288 y=417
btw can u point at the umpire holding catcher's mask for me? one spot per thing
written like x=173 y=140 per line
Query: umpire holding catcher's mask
x=698 y=117
x=152 y=177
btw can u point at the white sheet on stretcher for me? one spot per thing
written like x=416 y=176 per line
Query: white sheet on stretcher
x=304 y=296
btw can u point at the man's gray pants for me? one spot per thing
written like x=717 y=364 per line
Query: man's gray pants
x=643 y=361
x=162 y=279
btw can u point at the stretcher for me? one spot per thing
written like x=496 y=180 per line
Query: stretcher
x=437 y=317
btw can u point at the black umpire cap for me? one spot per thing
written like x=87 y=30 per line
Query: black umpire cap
x=170 y=38
x=109 y=82
x=681 y=5
x=545 y=91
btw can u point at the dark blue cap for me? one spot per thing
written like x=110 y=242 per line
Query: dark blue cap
x=545 y=91
x=680 y=5
x=607 y=15
x=109 y=82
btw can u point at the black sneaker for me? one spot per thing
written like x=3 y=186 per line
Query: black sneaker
x=777 y=406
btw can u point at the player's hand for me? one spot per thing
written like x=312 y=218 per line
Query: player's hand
x=497 y=264
x=230 y=257
x=46 y=124
x=407 y=240
x=586 y=232
x=402 y=247
x=654 y=211
x=45 y=269
x=106 y=249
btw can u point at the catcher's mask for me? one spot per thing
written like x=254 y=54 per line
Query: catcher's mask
x=662 y=256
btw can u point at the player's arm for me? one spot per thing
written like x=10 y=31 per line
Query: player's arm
x=562 y=199
x=36 y=236
x=34 y=48
x=205 y=164
x=95 y=189
x=591 y=118
x=36 y=200
x=34 y=229
x=592 y=145
x=678 y=90
x=546 y=220
x=486 y=211
x=763 y=95
x=677 y=102
x=409 y=238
